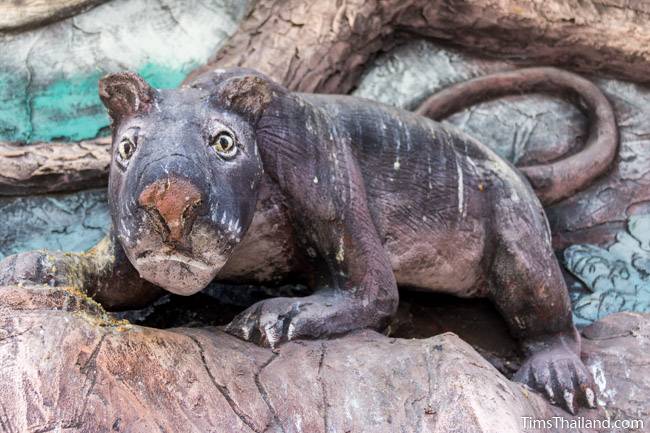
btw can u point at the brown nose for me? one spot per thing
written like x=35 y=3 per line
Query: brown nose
x=172 y=201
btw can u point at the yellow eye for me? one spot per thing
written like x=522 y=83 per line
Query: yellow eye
x=224 y=144
x=126 y=148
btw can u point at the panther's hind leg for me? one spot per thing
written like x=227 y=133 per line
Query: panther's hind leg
x=528 y=288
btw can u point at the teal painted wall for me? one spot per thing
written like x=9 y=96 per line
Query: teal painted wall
x=67 y=108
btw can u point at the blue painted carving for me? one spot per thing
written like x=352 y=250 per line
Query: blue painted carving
x=617 y=278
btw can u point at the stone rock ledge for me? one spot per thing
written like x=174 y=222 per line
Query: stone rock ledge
x=66 y=365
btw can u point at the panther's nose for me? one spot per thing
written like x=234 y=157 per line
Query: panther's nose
x=173 y=203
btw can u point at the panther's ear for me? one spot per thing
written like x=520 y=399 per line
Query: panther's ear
x=248 y=95
x=124 y=94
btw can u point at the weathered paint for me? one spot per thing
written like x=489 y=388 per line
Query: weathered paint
x=68 y=108
x=14 y=117
x=48 y=76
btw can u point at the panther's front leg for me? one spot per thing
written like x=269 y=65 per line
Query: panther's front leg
x=361 y=293
x=356 y=288
x=103 y=273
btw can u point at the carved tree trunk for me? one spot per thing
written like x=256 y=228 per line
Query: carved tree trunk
x=21 y=14
x=322 y=46
x=50 y=167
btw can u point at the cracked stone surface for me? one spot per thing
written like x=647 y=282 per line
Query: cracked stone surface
x=67 y=365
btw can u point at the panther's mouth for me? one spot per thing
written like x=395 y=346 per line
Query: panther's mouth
x=181 y=258
x=185 y=267
x=177 y=272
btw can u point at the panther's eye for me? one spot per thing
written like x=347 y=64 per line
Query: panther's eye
x=224 y=144
x=126 y=148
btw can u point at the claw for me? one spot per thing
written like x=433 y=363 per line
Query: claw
x=268 y=323
x=245 y=332
x=274 y=321
x=549 y=392
x=271 y=334
x=568 y=400
x=561 y=377
x=591 y=398
x=542 y=375
x=291 y=331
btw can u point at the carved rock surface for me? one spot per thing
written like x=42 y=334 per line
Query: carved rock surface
x=617 y=352
x=67 y=366
x=618 y=278
x=67 y=222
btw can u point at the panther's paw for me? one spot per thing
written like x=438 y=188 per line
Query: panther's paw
x=559 y=374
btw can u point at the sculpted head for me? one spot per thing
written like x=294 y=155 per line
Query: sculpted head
x=185 y=172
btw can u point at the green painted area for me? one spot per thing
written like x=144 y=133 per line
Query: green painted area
x=67 y=108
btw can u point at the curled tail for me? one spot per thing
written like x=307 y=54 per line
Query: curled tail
x=557 y=180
